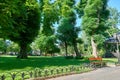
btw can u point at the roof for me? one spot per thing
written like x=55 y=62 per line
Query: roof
x=111 y=40
x=114 y=39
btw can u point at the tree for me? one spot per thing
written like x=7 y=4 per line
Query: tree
x=25 y=25
x=7 y=7
x=13 y=47
x=74 y=40
x=80 y=7
x=3 y=46
x=67 y=31
x=46 y=40
x=94 y=19
x=113 y=21
x=47 y=44
x=50 y=16
x=63 y=33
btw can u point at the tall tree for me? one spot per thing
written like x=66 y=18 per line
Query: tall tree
x=6 y=8
x=63 y=33
x=80 y=7
x=26 y=25
x=50 y=15
x=94 y=19
x=67 y=31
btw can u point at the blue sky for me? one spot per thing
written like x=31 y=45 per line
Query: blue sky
x=114 y=4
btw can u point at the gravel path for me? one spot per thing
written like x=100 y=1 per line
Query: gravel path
x=107 y=73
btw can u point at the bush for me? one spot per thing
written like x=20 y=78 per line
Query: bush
x=86 y=58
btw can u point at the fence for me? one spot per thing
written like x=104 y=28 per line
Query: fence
x=44 y=73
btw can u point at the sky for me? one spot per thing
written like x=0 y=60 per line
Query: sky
x=114 y=4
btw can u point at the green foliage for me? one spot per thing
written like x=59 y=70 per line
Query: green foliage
x=100 y=39
x=26 y=25
x=47 y=44
x=50 y=12
x=46 y=39
x=94 y=23
x=95 y=15
x=67 y=29
x=64 y=33
x=67 y=32
x=20 y=21
x=64 y=29
x=80 y=7
x=6 y=21
x=2 y=45
x=13 y=47
x=113 y=21
x=114 y=17
x=50 y=15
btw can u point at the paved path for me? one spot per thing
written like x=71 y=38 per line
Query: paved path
x=107 y=73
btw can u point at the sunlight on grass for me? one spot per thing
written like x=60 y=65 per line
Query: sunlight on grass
x=110 y=60
x=11 y=63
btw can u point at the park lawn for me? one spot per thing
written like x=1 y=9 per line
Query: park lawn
x=11 y=63
x=110 y=60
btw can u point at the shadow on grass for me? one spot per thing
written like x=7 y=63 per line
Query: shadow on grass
x=11 y=63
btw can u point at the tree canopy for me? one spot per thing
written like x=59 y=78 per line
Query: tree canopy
x=48 y=23
x=95 y=15
x=25 y=24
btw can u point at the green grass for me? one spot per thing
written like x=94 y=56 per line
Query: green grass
x=11 y=63
x=110 y=60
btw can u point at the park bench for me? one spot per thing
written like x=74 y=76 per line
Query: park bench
x=94 y=62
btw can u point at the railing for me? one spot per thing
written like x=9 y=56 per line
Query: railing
x=45 y=73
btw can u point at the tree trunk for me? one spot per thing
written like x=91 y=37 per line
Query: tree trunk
x=76 y=49
x=41 y=53
x=5 y=50
x=94 y=47
x=23 y=52
x=66 y=52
